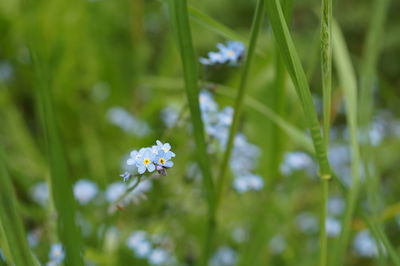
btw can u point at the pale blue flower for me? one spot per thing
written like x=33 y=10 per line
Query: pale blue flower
x=297 y=161
x=332 y=226
x=277 y=244
x=247 y=182
x=307 y=223
x=164 y=159
x=336 y=205
x=232 y=52
x=127 y=122
x=85 y=191
x=159 y=256
x=114 y=191
x=166 y=147
x=40 y=193
x=56 y=254
x=146 y=161
x=224 y=256
x=365 y=245
x=134 y=157
x=138 y=242
x=170 y=116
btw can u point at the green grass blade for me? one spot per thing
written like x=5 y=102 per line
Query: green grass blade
x=255 y=28
x=189 y=62
x=295 y=69
x=180 y=15
x=11 y=221
x=326 y=70
x=348 y=84
x=61 y=187
x=214 y=25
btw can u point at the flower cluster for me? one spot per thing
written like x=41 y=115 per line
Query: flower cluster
x=151 y=158
x=230 y=53
x=244 y=155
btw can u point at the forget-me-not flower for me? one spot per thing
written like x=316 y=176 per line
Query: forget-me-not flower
x=166 y=147
x=164 y=159
x=230 y=53
x=146 y=161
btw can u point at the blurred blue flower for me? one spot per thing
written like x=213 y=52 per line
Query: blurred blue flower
x=336 y=205
x=85 y=191
x=127 y=122
x=6 y=71
x=230 y=53
x=114 y=191
x=40 y=193
x=297 y=161
x=277 y=244
x=160 y=256
x=138 y=242
x=332 y=226
x=146 y=161
x=224 y=256
x=365 y=245
x=56 y=254
x=170 y=116
x=247 y=182
x=307 y=223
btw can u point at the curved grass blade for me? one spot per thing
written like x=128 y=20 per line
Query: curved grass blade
x=11 y=222
x=180 y=16
x=213 y=25
x=293 y=65
x=60 y=184
x=255 y=28
x=348 y=84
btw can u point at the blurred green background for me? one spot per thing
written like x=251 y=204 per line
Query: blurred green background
x=99 y=55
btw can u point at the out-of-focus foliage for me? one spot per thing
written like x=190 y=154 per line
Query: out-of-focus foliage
x=115 y=77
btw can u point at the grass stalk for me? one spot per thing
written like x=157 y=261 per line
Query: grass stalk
x=255 y=28
x=11 y=222
x=296 y=71
x=326 y=70
x=179 y=11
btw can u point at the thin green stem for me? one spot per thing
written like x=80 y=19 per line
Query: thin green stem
x=255 y=28
x=326 y=70
x=323 y=235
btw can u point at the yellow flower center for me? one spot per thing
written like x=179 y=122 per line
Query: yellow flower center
x=146 y=161
x=230 y=53
x=165 y=149
x=161 y=161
